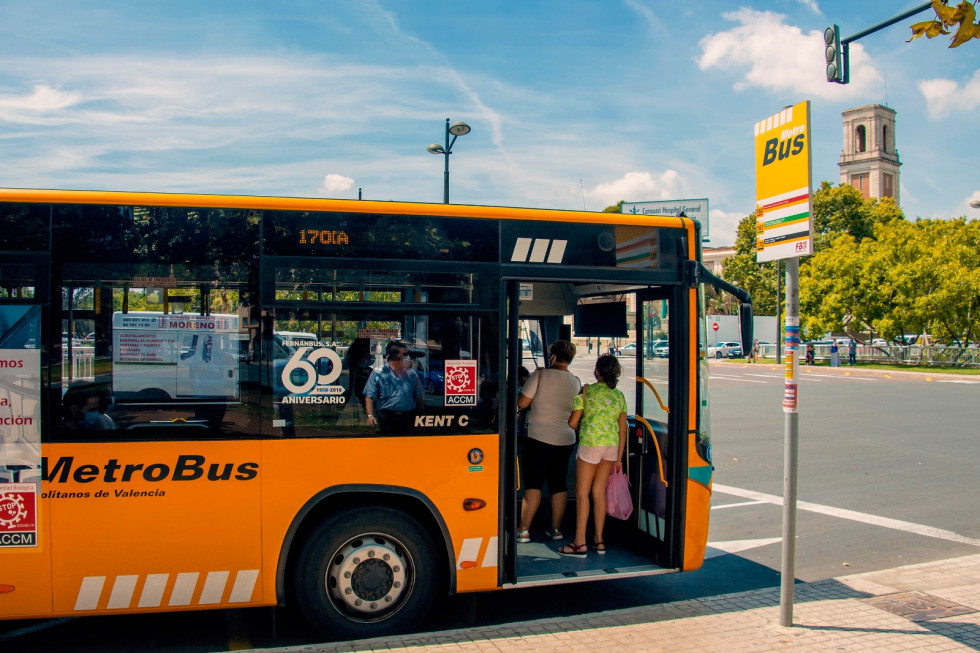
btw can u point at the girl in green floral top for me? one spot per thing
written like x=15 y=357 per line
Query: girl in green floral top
x=602 y=438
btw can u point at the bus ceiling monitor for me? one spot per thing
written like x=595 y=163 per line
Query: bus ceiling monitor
x=605 y=320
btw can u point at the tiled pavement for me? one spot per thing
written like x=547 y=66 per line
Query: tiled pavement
x=932 y=606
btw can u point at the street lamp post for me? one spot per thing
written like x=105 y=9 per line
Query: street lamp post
x=455 y=130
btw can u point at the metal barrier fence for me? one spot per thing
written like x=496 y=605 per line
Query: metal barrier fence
x=934 y=355
x=83 y=364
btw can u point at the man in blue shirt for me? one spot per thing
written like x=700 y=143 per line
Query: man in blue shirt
x=393 y=395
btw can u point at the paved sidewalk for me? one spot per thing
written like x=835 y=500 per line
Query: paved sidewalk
x=933 y=606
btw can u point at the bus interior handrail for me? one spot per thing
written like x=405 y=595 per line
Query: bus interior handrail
x=656 y=394
x=656 y=444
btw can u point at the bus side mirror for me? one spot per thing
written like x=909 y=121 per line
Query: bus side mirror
x=745 y=325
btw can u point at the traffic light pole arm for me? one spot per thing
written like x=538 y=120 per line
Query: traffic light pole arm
x=887 y=23
x=846 y=43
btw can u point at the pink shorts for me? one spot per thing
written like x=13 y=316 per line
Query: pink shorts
x=593 y=455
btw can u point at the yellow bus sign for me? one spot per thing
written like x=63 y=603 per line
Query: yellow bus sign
x=782 y=184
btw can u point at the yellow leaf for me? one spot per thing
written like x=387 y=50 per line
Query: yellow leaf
x=965 y=33
x=946 y=14
x=965 y=15
x=929 y=29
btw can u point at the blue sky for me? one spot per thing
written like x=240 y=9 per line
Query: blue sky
x=572 y=104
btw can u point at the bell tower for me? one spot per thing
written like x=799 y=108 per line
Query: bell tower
x=869 y=160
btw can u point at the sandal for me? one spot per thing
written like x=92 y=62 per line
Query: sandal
x=599 y=547
x=523 y=537
x=573 y=550
x=554 y=534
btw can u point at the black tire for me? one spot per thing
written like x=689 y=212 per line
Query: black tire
x=717 y=354
x=153 y=394
x=365 y=573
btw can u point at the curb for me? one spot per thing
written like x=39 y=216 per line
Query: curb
x=846 y=370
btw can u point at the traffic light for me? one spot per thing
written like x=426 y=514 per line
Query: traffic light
x=835 y=71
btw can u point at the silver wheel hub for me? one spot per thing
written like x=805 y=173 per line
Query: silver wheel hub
x=369 y=575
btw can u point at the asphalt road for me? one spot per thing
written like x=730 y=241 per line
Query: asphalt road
x=887 y=477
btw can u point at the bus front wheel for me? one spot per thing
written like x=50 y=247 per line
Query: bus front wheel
x=366 y=573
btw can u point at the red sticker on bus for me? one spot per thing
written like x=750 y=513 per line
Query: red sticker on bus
x=460 y=383
x=18 y=514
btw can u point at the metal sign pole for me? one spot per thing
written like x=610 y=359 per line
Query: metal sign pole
x=784 y=231
x=779 y=310
x=790 y=441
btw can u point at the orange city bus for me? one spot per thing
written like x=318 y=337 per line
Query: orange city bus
x=182 y=420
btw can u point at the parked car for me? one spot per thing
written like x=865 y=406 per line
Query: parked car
x=725 y=350
x=433 y=376
x=628 y=349
x=661 y=349
x=959 y=344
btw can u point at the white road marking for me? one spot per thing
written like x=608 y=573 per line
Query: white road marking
x=853 y=515
x=808 y=377
x=837 y=376
x=738 y=505
x=958 y=381
x=768 y=376
x=716 y=549
x=735 y=378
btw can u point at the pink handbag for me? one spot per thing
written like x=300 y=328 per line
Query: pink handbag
x=618 y=501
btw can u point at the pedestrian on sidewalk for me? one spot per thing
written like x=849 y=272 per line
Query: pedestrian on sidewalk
x=834 y=354
x=852 y=352
x=601 y=411
x=754 y=354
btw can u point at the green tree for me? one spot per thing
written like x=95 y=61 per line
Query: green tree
x=944 y=297
x=843 y=210
x=615 y=208
x=909 y=278
x=831 y=293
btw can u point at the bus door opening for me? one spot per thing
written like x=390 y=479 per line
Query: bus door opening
x=650 y=446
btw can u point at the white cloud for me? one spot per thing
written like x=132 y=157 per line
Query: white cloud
x=782 y=58
x=37 y=106
x=944 y=96
x=666 y=185
x=637 y=187
x=974 y=197
x=334 y=184
x=126 y=116
x=387 y=23
x=723 y=227
x=647 y=14
x=812 y=5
